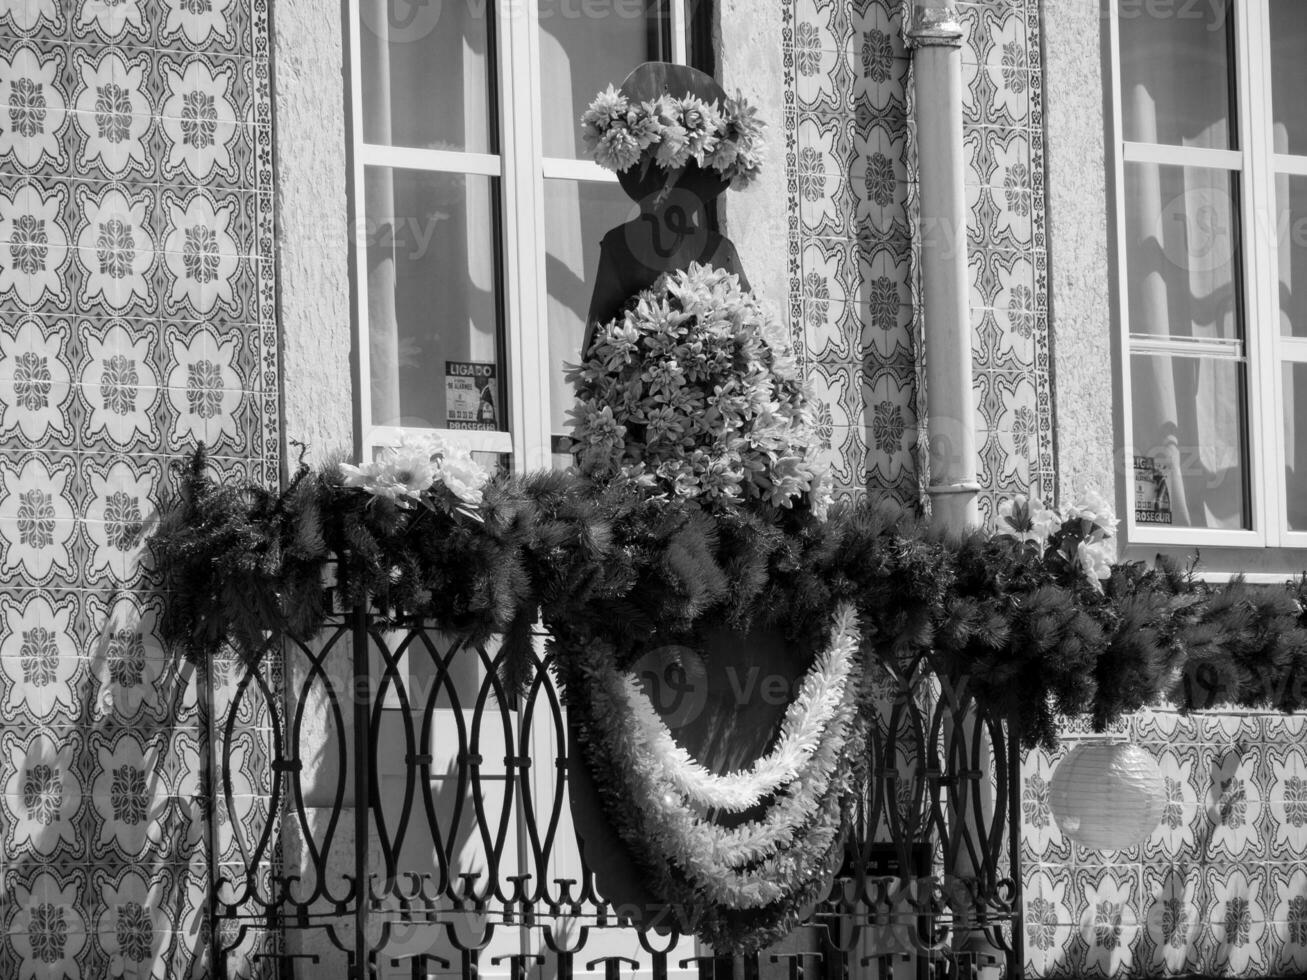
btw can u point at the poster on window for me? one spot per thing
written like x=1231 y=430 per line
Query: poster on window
x=1152 y=495
x=471 y=395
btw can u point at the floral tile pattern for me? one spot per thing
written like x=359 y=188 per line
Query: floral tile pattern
x=136 y=317
x=854 y=239
x=1218 y=888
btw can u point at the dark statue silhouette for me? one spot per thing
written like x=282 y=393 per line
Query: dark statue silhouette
x=672 y=229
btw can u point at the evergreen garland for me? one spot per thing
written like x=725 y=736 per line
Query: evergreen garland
x=1035 y=638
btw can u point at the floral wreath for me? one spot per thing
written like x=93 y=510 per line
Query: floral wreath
x=748 y=882
x=669 y=132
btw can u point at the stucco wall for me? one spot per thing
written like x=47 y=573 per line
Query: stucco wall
x=750 y=60
x=1079 y=285
x=313 y=226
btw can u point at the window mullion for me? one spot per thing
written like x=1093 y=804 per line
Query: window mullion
x=523 y=267
x=1266 y=437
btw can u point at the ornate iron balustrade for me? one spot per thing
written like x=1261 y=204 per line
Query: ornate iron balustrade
x=410 y=820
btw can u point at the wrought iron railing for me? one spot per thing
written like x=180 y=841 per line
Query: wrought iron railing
x=407 y=817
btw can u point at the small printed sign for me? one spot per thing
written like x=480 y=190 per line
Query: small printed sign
x=1152 y=493
x=471 y=395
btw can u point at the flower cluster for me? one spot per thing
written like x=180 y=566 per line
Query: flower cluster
x=421 y=469
x=695 y=391
x=670 y=132
x=1082 y=538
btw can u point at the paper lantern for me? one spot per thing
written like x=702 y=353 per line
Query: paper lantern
x=1107 y=796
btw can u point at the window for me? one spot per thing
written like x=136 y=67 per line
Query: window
x=477 y=220
x=1210 y=138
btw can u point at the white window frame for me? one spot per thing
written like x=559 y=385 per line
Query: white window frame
x=1265 y=349
x=521 y=168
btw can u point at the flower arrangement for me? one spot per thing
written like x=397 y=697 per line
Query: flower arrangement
x=695 y=392
x=670 y=132
x=427 y=469
x=1081 y=540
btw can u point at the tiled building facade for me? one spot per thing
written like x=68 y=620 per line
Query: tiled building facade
x=140 y=171
x=137 y=316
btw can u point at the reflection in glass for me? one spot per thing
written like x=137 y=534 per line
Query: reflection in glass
x=1189 y=425
x=432 y=294
x=1291 y=225
x=577 y=216
x=1295 y=445
x=584 y=48
x=1289 y=75
x=426 y=74
x=1177 y=63
x=1182 y=251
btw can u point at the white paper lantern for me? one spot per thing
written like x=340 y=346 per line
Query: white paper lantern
x=1107 y=796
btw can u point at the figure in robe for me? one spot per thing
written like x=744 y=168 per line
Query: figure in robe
x=672 y=229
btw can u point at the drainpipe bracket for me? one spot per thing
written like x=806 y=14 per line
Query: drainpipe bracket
x=934 y=27
x=942 y=489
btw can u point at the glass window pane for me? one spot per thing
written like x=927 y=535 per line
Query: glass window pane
x=1182 y=251
x=577 y=216
x=1295 y=444
x=1177 y=61
x=1190 y=465
x=1291 y=225
x=584 y=48
x=1289 y=75
x=426 y=75
x=433 y=300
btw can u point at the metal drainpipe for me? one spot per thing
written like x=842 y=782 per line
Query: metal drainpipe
x=935 y=34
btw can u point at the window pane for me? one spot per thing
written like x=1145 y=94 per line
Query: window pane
x=1176 y=65
x=1289 y=75
x=1295 y=444
x=1291 y=225
x=426 y=74
x=577 y=216
x=1191 y=458
x=433 y=300
x=584 y=48
x=1182 y=251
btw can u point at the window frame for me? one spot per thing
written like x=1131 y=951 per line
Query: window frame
x=521 y=169
x=1266 y=350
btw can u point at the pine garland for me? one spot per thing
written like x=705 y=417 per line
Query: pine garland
x=1036 y=639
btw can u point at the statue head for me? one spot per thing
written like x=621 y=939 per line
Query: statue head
x=647 y=82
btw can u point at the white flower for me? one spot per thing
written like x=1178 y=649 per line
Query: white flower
x=1028 y=520
x=1095 y=559
x=34 y=381
x=200 y=254
x=33 y=246
x=408 y=470
x=199 y=120
x=29 y=91
x=114 y=113
x=116 y=249
x=1092 y=507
